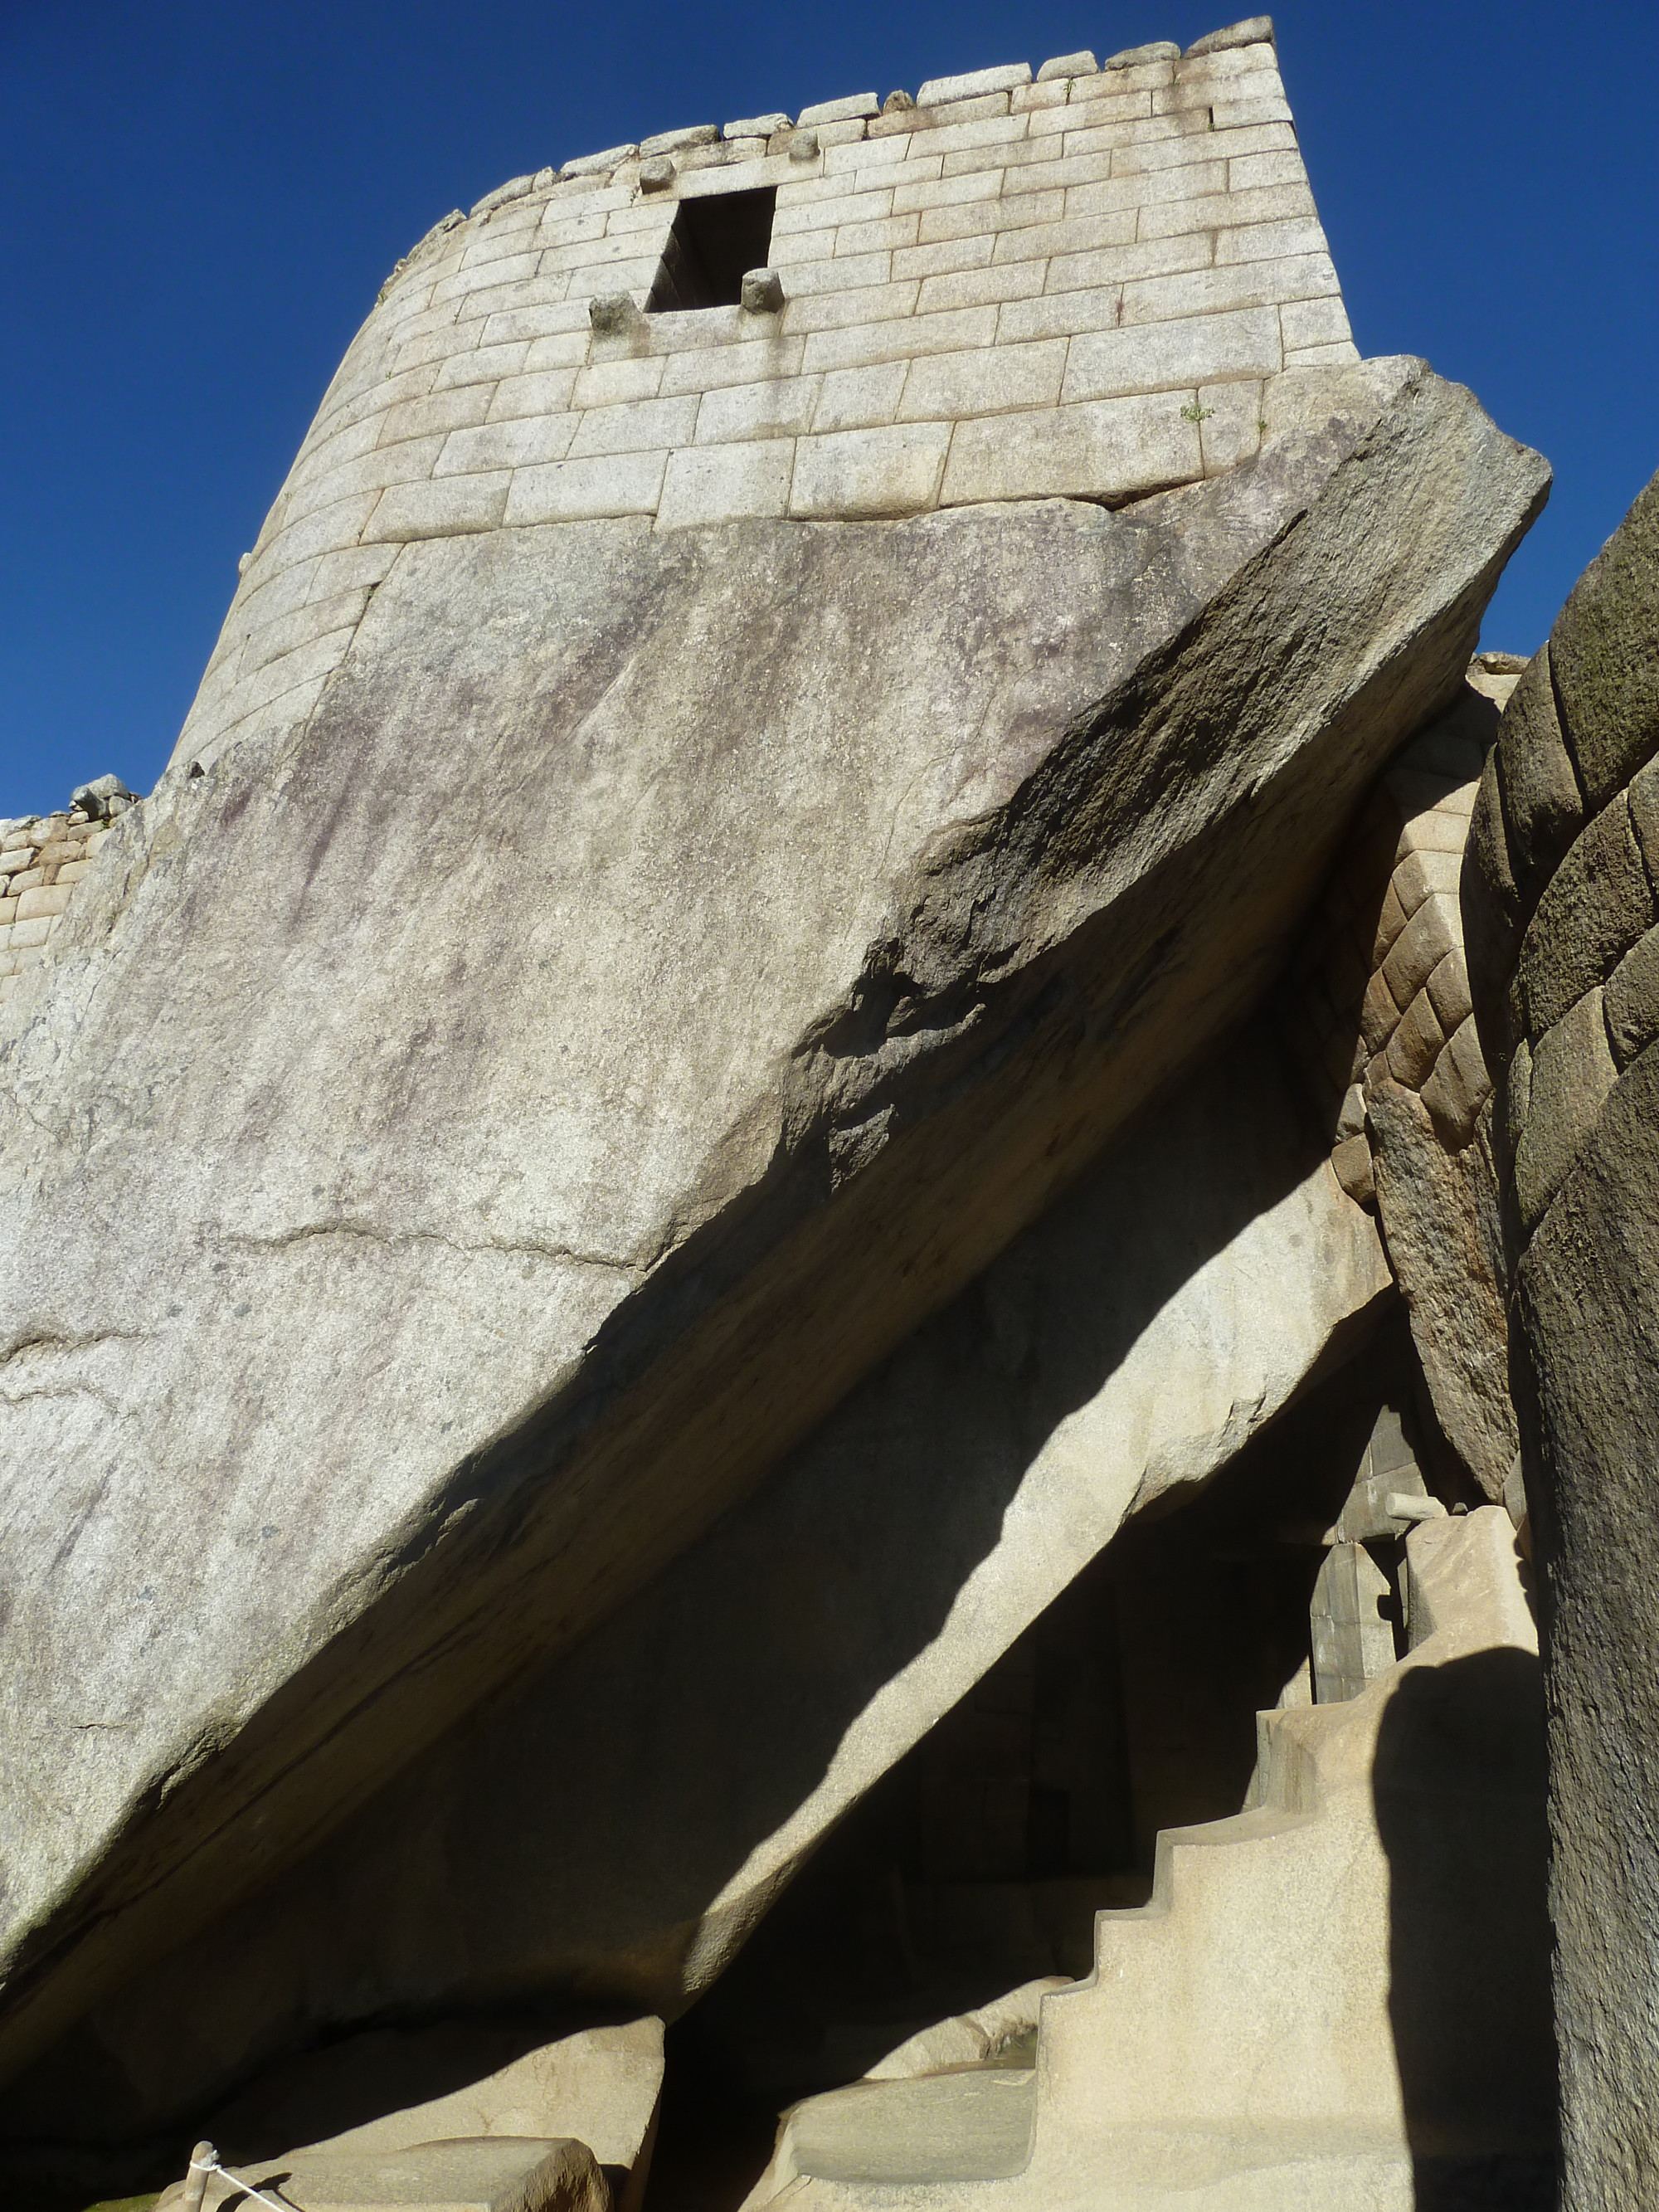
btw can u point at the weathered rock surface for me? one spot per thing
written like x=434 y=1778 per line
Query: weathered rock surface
x=486 y=2174
x=1581 y=1112
x=616 y=1828
x=460 y=1150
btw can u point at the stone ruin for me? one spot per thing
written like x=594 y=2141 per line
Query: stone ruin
x=764 y=1433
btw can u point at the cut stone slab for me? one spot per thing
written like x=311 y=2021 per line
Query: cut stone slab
x=1337 y=1998
x=458 y=1152
x=1582 y=1108
x=393 y=2089
x=1444 y=1235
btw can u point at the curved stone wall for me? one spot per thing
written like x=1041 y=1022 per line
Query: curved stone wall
x=1084 y=285
x=1559 y=902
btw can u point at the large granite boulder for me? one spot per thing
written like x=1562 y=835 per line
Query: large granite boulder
x=1558 y=897
x=466 y=1137
x=613 y=1829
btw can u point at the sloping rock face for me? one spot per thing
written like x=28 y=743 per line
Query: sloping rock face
x=1559 y=898
x=612 y=1831
x=399 y=1276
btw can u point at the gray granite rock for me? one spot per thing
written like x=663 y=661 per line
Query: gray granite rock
x=614 y=1828
x=453 y=1158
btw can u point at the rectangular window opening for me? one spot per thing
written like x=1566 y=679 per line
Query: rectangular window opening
x=713 y=245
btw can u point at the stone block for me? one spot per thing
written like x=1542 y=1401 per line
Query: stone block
x=1643 y=800
x=870 y=473
x=514 y=444
x=990 y=126
x=519 y=640
x=1337 y=355
x=436 y=414
x=445 y=506
x=756 y=126
x=1307 y=322
x=1159 y=146
x=1415 y=1044
x=883 y=234
x=504 y=271
x=859 y=398
x=826 y=204
x=780 y=407
x=853 y=311
x=1428 y=935
x=597 y=164
x=1057 y=315
x=1449 y=993
x=855 y=105
x=1572 y=1071
x=941 y=91
x=1630 y=1000
x=551 y=318
x=607 y=383
x=547 y=392
x=1211 y=291
x=1093 y=105
x=1043 y=207
x=908 y=338
x=1230 y=423
x=1152 y=59
x=1273 y=241
x=1254 y=30
x=1378 y=1013
x=711 y=484
x=1199 y=349
x=1210 y=211
x=990 y=381
x=1072 y=270
x=1604 y=657
x=1238 y=114
x=582 y=490
x=484 y=365
x=1034 y=99
x=976 y=288
x=1101 y=449
x=854 y=272
x=959 y=190
x=1458 y=1088
x=643 y=426
x=1254 y=138
x=1265 y=171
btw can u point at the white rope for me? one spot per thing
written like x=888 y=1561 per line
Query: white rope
x=211 y=2164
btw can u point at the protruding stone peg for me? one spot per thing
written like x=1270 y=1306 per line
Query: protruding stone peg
x=203 y=2161
x=762 y=293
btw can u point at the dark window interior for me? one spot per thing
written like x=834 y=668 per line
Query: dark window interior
x=713 y=245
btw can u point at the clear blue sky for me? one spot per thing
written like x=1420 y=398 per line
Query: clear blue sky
x=203 y=200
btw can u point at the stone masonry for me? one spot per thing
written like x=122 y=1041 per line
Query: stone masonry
x=42 y=858
x=1083 y=285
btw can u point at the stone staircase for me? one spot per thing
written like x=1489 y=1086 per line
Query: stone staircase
x=1337 y=1992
